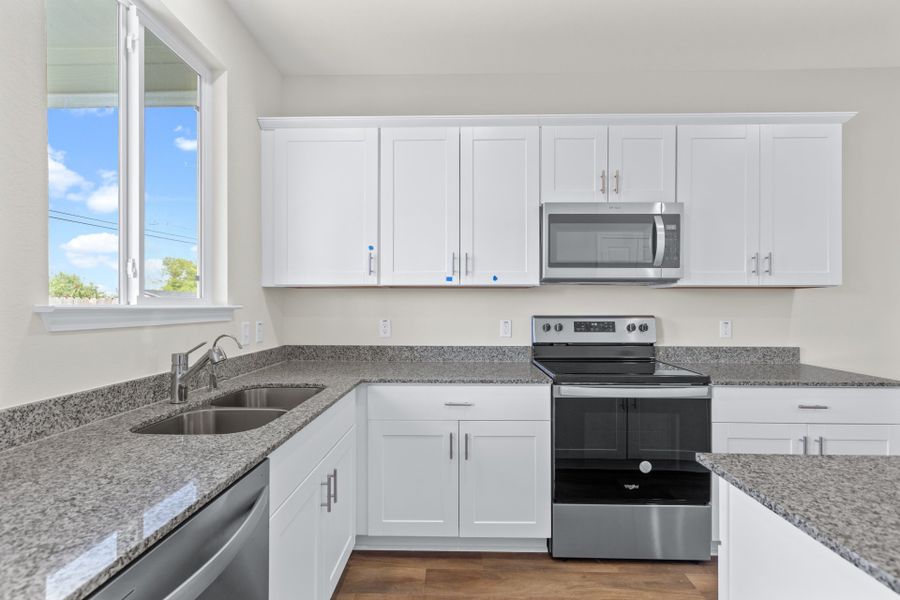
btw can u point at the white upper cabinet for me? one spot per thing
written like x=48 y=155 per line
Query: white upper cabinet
x=420 y=206
x=500 y=205
x=324 y=207
x=574 y=163
x=642 y=163
x=800 y=227
x=718 y=183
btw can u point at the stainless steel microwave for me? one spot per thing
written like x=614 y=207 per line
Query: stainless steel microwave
x=601 y=242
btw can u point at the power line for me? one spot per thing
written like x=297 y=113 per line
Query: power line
x=186 y=239
x=116 y=229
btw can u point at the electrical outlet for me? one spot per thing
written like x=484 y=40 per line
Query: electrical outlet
x=245 y=333
x=725 y=329
x=259 y=332
x=505 y=328
x=384 y=328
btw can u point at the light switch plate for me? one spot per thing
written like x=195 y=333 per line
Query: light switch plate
x=505 y=328
x=725 y=329
x=384 y=328
x=245 y=333
x=260 y=332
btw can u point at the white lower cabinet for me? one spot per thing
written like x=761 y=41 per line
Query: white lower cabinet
x=413 y=478
x=880 y=440
x=313 y=530
x=504 y=479
x=758 y=438
x=483 y=474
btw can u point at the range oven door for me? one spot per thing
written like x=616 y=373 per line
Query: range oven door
x=597 y=242
x=614 y=445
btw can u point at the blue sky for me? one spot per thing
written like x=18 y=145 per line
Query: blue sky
x=83 y=164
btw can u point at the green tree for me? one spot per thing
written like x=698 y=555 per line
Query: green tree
x=181 y=275
x=69 y=285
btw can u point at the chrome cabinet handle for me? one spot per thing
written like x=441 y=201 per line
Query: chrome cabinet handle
x=821 y=441
x=451 y=445
x=371 y=263
x=327 y=484
x=769 y=263
x=467 y=264
x=805 y=441
x=603 y=181
x=754 y=270
x=467 y=446
x=812 y=406
x=616 y=182
x=334 y=479
x=459 y=404
x=453 y=262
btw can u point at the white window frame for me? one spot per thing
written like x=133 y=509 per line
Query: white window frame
x=134 y=309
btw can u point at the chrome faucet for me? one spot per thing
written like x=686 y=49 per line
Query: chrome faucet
x=182 y=370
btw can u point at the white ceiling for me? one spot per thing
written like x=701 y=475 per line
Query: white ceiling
x=312 y=37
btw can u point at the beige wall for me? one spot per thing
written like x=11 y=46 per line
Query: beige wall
x=35 y=364
x=855 y=326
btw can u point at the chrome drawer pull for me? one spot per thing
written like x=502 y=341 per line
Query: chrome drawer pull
x=812 y=406
x=459 y=404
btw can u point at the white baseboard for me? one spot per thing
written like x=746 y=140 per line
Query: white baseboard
x=450 y=544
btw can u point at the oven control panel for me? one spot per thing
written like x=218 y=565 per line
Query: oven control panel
x=593 y=330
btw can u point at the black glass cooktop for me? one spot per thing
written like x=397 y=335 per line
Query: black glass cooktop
x=645 y=372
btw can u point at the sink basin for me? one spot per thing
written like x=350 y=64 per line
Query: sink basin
x=284 y=398
x=210 y=421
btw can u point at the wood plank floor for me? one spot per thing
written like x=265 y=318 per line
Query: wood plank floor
x=495 y=576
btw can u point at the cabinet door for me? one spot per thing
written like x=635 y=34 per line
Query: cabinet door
x=573 y=164
x=326 y=206
x=420 y=206
x=801 y=205
x=642 y=163
x=294 y=540
x=414 y=478
x=760 y=438
x=500 y=205
x=338 y=535
x=504 y=487
x=718 y=184
x=880 y=440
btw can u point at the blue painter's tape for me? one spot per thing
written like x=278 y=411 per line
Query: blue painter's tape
x=495 y=278
x=371 y=248
x=449 y=279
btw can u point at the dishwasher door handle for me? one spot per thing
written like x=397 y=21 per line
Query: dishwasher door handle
x=198 y=583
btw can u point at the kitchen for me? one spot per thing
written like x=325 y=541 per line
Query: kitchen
x=773 y=142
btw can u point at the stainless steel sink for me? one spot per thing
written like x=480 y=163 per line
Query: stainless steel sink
x=214 y=420
x=284 y=398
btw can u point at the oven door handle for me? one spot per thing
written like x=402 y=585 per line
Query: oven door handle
x=660 y=240
x=611 y=391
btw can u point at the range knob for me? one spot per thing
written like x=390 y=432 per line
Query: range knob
x=643 y=328
x=630 y=327
x=558 y=327
x=546 y=326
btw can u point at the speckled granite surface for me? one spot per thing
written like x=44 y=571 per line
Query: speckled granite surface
x=796 y=375
x=851 y=504
x=411 y=353
x=78 y=506
x=729 y=354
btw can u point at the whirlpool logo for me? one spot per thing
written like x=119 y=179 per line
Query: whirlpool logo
x=632 y=486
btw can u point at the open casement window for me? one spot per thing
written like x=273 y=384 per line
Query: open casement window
x=128 y=134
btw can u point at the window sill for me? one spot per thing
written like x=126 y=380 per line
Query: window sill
x=83 y=318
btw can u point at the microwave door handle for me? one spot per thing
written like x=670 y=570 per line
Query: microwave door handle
x=660 y=241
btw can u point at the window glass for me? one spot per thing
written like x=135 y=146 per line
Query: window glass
x=171 y=185
x=83 y=151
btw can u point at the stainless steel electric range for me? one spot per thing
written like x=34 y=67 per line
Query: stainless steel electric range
x=626 y=428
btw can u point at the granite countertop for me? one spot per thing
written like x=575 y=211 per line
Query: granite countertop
x=80 y=505
x=784 y=374
x=848 y=503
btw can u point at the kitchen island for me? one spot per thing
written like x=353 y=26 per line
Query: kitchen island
x=808 y=526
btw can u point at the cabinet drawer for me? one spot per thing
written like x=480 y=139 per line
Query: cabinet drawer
x=294 y=460
x=805 y=405
x=459 y=402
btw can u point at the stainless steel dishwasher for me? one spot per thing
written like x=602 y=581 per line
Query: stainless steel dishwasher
x=220 y=553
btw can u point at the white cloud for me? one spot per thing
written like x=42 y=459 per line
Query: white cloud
x=94 y=112
x=92 y=250
x=178 y=128
x=104 y=199
x=64 y=181
x=186 y=144
x=153 y=273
